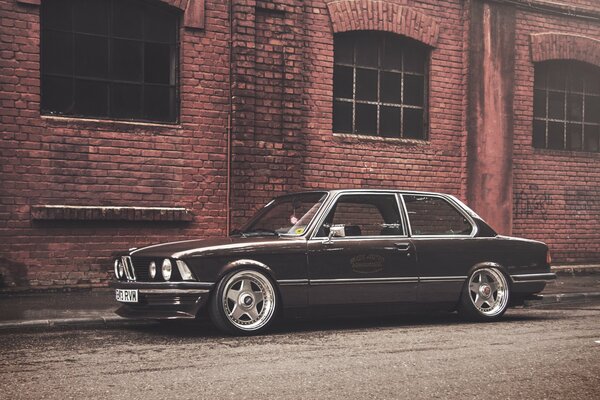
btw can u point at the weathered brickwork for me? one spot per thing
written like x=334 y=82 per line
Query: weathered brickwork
x=76 y=162
x=255 y=120
x=556 y=193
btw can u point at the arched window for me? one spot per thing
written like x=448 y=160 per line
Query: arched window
x=379 y=85
x=109 y=59
x=566 y=109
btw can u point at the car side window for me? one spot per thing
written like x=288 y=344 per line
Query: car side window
x=431 y=215
x=364 y=215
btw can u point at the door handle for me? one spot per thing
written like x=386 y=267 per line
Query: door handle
x=402 y=246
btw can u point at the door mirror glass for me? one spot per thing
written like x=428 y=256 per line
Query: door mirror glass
x=337 y=231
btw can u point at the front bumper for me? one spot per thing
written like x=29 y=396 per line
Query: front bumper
x=164 y=300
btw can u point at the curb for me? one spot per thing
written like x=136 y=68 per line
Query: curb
x=568 y=298
x=96 y=322
x=575 y=269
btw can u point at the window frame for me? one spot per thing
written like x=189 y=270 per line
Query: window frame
x=572 y=68
x=173 y=87
x=452 y=204
x=332 y=204
x=406 y=44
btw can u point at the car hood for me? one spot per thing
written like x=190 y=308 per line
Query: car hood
x=212 y=246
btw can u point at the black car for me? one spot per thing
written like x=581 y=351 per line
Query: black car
x=341 y=251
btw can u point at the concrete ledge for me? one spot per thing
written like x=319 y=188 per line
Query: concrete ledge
x=576 y=269
x=97 y=322
x=110 y=213
x=565 y=298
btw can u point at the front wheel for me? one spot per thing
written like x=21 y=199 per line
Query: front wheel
x=245 y=302
x=485 y=295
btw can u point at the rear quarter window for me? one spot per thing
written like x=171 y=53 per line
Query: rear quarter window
x=431 y=215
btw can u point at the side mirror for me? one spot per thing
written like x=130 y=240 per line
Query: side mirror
x=335 y=231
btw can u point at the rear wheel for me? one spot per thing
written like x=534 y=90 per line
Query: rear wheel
x=485 y=295
x=245 y=302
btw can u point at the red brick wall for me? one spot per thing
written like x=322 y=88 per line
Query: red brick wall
x=556 y=193
x=282 y=139
x=61 y=161
x=334 y=160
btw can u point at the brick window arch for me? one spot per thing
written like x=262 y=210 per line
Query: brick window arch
x=379 y=85
x=381 y=53
x=114 y=59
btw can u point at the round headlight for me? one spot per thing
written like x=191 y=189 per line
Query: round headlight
x=152 y=270
x=167 y=268
x=119 y=269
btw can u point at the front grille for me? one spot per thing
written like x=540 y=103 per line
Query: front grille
x=140 y=265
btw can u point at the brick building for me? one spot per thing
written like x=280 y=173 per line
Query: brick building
x=126 y=122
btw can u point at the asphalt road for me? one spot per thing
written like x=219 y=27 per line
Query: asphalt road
x=533 y=353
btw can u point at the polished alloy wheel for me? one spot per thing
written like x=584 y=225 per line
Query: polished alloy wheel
x=248 y=300
x=488 y=291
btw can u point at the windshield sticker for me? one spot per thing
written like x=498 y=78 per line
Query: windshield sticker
x=299 y=231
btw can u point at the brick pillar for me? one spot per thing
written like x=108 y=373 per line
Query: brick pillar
x=490 y=113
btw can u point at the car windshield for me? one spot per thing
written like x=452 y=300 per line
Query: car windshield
x=289 y=215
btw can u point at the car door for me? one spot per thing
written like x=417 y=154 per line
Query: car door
x=442 y=236
x=371 y=262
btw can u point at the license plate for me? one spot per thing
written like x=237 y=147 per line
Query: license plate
x=127 y=295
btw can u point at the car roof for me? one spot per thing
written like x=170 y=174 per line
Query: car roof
x=337 y=191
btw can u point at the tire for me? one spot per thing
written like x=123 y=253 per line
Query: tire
x=244 y=303
x=485 y=295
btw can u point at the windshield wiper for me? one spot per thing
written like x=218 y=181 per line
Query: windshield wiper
x=261 y=231
x=237 y=232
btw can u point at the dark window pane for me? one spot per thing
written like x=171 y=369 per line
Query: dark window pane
x=57 y=95
x=344 y=49
x=366 y=84
x=91 y=56
x=414 y=89
x=158 y=25
x=57 y=52
x=366 y=119
x=389 y=121
x=392 y=54
x=556 y=105
x=592 y=109
x=157 y=63
x=574 y=132
x=574 y=107
x=126 y=60
x=391 y=87
x=127 y=20
x=56 y=14
x=159 y=103
x=539 y=103
x=126 y=101
x=366 y=50
x=342 y=117
x=541 y=72
x=556 y=134
x=591 y=137
x=592 y=80
x=575 y=82
x=90 y=16
x=412 y=126
x=91 y=98
x=556 y=76
x=342 y=82
x=539 y=134
x=414 y=60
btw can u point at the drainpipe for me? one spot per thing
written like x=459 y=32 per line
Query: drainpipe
x=229 y=121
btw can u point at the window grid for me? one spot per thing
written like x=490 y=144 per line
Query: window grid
x=572 y=70
x=381 y=68
x=109 y=80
